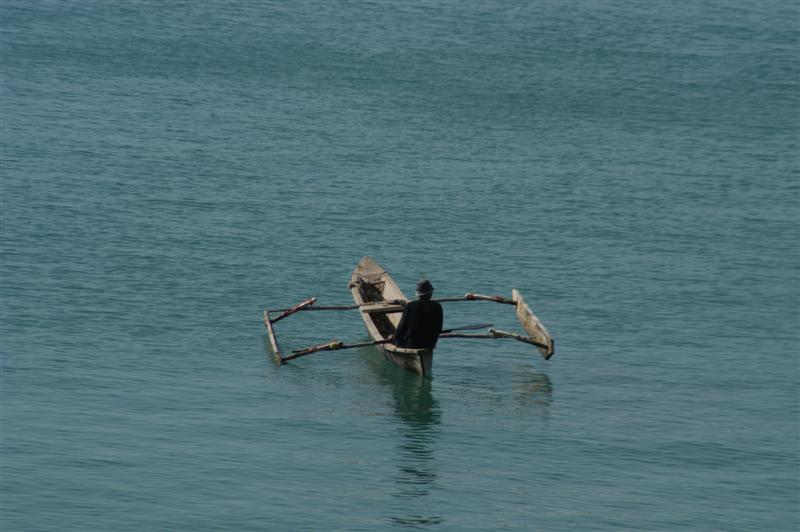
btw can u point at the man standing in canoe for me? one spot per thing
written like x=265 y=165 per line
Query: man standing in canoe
x=421 y=323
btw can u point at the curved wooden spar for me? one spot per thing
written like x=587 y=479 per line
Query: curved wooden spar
x=495 y=333
x=297 y=308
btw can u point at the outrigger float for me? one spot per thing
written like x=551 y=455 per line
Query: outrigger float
x=380 y=302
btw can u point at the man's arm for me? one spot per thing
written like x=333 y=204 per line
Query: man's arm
x=402 y=326
x=440 y=320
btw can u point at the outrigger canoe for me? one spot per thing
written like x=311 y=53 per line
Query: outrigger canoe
x=380 y=302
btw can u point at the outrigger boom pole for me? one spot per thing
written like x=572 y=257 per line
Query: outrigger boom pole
x=309 y=304
x=335 y=345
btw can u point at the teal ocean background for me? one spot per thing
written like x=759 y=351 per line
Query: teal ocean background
x=170 y=169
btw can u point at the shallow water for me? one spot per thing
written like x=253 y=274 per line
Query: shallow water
x=170 y=171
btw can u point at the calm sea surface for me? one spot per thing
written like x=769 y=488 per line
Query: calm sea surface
x=171 y=169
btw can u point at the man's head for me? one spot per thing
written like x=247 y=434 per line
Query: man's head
x=424 y=289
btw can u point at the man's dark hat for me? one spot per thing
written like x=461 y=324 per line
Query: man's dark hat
x=424 y=288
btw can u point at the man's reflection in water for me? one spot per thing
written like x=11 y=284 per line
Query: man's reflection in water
x=416 y=407
x=419 y=416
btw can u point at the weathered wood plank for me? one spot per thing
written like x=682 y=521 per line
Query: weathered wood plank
x=533 y=326
x=276 y=351
x=381 y=308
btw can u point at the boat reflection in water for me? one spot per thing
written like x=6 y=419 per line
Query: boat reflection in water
x=533 y=391
x=418 y=417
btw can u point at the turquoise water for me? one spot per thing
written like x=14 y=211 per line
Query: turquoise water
x=168 y=171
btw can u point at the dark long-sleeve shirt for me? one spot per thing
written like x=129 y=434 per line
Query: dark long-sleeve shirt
x=420 y=325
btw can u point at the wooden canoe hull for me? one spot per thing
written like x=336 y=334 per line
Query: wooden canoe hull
x=370 y=283
x=419 y=361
